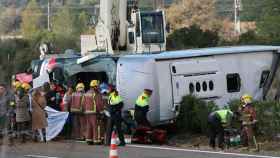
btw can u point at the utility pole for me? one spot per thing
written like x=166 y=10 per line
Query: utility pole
x=237 y=9
x=49 y=12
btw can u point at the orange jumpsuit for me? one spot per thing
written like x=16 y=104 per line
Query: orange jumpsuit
x=79 y=121
x=248 y=117
x=93 y=105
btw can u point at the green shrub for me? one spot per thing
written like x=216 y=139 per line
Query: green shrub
x=193 y=114
x=268 y=116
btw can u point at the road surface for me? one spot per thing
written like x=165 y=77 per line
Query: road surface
x=79 y=150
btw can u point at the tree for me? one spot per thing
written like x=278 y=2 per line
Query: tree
x=192 y=37
x=8 y=20
x=88 y=2
x=185 y=13
x=269 y=23
x=31 y=18
x=65 y=31
x=252 y=10
x=82 y=22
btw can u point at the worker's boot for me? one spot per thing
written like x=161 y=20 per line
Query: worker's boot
x=90 y=143
x=122 y=144
x=44 y=136
x=11 y=141
x=23 y=138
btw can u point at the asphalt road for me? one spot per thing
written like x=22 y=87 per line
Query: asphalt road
x=78 y=150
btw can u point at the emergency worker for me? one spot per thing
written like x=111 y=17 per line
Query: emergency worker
x=94 y=105
x=12 y=113
x=217 y=121
x=142 y=108
x=6 y=100
x=22 y=113
x=79 y=121
x=27 y=90
x=115 y=105
x=248 y=119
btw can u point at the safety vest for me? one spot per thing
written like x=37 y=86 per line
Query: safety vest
x=224 y=115
x=114 y=100
x=143 y=100
x=90 y=102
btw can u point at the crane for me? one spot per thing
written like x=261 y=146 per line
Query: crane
x=122 y=26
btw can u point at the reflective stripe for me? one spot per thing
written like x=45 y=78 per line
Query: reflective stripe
x=143 y=100
x=89 y=112
x=12 y=103
x=89 y=140
x=94 y=104
x=113 y=153
x=75 y=110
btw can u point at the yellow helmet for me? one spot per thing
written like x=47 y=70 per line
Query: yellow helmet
x=247 y=99
x=94 y=83
x=26 y=86
x=16 y=84
x=80 y=86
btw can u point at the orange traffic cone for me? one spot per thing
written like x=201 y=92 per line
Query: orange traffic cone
x=113 y=149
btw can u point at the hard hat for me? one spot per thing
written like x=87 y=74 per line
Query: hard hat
x=80 y=86
x=26 y=86
x=17 y=84
x=246 y=98
x=94 y=83
x=148 y=91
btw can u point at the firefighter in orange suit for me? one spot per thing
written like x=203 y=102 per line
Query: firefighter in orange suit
x=94 y=105
x=76 y=111
x=249 y=120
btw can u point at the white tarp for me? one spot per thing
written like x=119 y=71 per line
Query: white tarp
x=56 y=121
x=39 y=81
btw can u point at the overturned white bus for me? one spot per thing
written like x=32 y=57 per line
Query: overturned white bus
x=219 y=74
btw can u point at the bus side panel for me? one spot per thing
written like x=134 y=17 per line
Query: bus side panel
x=133 y=76
x=167 y=109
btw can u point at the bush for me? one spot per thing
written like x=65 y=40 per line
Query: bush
x=268 y=116
x=193 y=115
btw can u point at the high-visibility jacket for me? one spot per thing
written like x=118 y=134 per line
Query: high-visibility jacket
x=143 y=100
x=93 y=102
x=76 y=102
x=114 y=99
x=224 y=115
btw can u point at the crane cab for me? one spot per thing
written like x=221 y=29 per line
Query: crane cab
x=146 y=32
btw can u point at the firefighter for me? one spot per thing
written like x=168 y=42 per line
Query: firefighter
x=248 y=119
x=79 y=122
x=142 y=108
x=93 y=105
x=115 y=103
x=217 y=121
